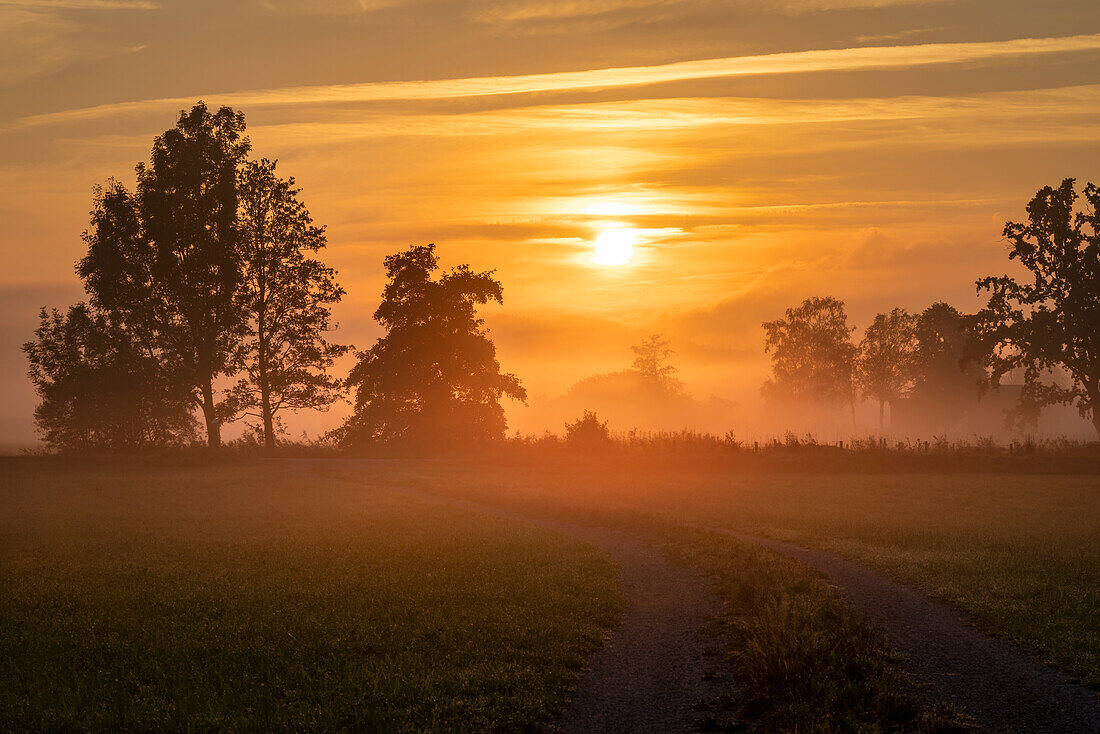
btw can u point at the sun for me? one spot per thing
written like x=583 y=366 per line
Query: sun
x=614 y=247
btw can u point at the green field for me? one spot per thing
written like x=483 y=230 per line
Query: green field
x=243 y=597
x=1018 y=553
x=309 y=596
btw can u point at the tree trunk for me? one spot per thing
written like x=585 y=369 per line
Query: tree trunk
x=881 y=412
x=269 y=427
x=262 y=366
x=1094 y=398
x=209 y=412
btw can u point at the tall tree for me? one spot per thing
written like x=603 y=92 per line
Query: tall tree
x=944 y=382
x=813 y=358
x=1051 y=321
x=99 y=389
x=165 y=260
x=433 y=379
x=651 y=361
x=885 y=359
x=287 y=297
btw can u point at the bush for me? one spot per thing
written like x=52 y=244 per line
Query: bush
x=587 y=432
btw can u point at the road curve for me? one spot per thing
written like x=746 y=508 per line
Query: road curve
x=1000 y=686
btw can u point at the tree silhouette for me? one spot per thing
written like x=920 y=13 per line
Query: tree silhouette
x=945 y=384
x=287 y=298
x=433 y=379
x=165 y=261
x=1052 y=321
x=813 y=358
x=587 y=432
x=885 y=359
x=99 y=389
x=651 y=362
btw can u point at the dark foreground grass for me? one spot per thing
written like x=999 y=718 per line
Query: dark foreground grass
x=1017 y=553
x=245 y=599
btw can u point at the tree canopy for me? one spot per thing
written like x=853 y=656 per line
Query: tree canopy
x=651 y=362
x=884 y=363
x=287 y=297
x=433 y=379
x=99 y=389
x=202 y=272
x=1048 y=325
x=812 y=355
x=165 y=259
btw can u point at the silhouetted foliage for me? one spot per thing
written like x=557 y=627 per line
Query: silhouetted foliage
x=884 y=363
x=165 y=262
x=99 y=389
x=204 y=267
x=945 y=384
x=651 y=362
x=433 y=379
x=287 y=297
x=1051 y=323
x=587 y=432
x=813 y=358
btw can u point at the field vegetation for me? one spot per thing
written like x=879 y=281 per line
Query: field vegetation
x=242 y=597
x=1016 y=550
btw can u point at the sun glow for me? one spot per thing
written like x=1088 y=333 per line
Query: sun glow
x=614 y=247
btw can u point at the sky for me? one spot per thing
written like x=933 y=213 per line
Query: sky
x=756 y=153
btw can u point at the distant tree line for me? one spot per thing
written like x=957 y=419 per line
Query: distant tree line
x=1045 y=330
x=205 y=297
x=901 y=356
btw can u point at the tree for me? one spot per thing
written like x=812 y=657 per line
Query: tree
x=944 y=382
x=164 y=261
x=813 y=358
x=99 y=389
x=287 y=297
x=433 y=379
x=651 y=362
x=885 y=358
x=1051 y=321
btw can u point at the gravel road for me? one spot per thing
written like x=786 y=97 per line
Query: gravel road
x=997 y=684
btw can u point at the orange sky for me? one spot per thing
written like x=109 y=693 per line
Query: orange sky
x=762 y=151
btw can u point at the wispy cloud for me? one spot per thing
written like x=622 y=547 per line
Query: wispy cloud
x=327 y=7
x=37 y=36
x=81 y=4
x=847 y=59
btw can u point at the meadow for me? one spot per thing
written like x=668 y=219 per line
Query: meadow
x=140 y=596
x=1016 y=550
x=306 y=595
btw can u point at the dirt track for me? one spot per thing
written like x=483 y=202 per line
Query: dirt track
x=658 y=671
x=657 y=667
x=1001 y=687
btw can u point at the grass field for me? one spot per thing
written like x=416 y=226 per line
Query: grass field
x=246 y=598
x=1018 y=553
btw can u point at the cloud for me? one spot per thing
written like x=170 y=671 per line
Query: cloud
x=327 y=7
x=510 y=12
x=81 y=4
x=44 y=35
x=847 y=59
